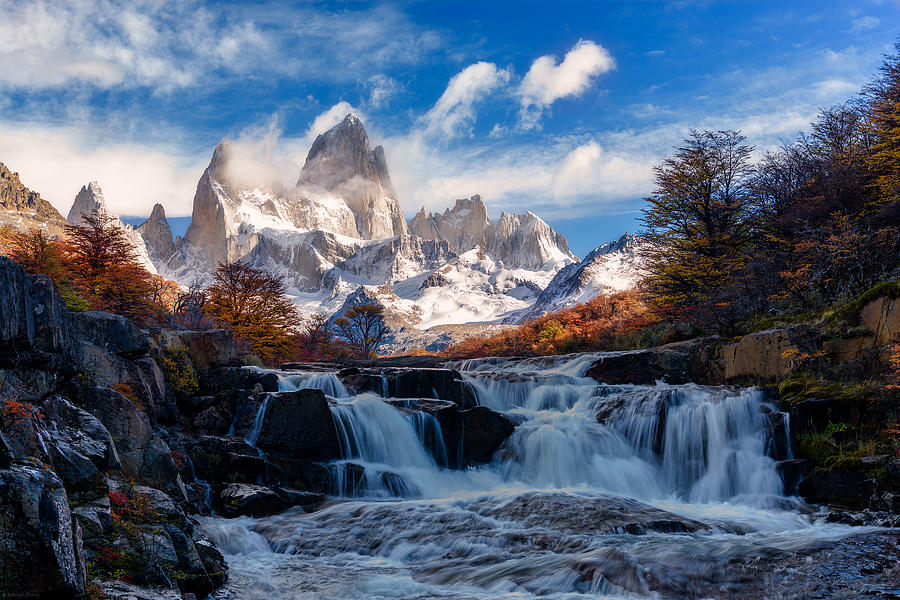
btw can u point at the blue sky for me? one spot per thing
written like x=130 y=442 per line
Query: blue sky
x=557 y=107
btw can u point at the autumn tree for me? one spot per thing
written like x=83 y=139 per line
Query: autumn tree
x=38 y=254
x=696 y=223
x=363 y=328
x=883 y=95
x=104 y=268
x=255 y=306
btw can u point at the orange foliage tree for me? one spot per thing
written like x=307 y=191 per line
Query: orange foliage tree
x=39 y=254
x=104 y=268
x=362 y=328
x=253 y=304
x=604 y=323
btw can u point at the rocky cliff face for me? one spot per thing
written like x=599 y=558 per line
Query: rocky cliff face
x=526 y=241
x=23 y=209
x=211 y=225
x=463 y=226
x=157 y=236
x=341 y=162
x=75 y=453
x=519 y=240
x=88 y=200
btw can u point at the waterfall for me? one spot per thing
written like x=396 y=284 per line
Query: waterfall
x=381 y=440
x=625 y=491
x=430 y=435
x=253 y=434
x=709 y=443
x=207 y=488
x=700 y=443
x=327 y=382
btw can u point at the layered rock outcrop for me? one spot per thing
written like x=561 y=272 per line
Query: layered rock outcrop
x=23 y=209
x=78 y=458
x=157 y=236
x=341 y=162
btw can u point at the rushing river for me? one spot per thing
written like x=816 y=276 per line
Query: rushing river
x=600 y=492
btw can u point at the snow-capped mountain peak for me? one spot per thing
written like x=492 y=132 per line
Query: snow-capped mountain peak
x=518 y=240
x=612 y=267
x=88 y=200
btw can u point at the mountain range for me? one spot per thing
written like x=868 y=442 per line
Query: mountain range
x=338 y=236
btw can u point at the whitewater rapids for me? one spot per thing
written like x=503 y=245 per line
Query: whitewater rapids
x=600 y=492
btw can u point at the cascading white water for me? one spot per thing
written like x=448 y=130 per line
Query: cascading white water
x=382 y=440
x=601 y=491
x=702 y=444
x=429 y=432
x=253 y=434
x=327 y=382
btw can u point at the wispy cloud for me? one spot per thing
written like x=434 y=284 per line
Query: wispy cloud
x=57 y=161
x=864 y=24
x=454 y=111
x=168 y=46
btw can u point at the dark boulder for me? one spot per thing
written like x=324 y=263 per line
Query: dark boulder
x=142 y=453
x=142 y=379
x=53 y=331
x=112 y=333
x=473 y=436
x=201 y=565
x=401 y=382
x=297 y=424
x=846 y=488
x=792 y=473
x=239 y=499
x=241 y=378
x=252 y=500
x=40 y=545
x=81 y=449
x=210 y=421
x=680 y=362
x=35 y=329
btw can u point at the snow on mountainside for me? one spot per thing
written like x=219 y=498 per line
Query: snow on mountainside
x=613 y=267
x=518 y=240
x=339 y=234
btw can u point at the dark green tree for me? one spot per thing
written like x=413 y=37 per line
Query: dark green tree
x=697 y=225
x=363 y=328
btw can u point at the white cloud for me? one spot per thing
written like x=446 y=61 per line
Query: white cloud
x=56 y=162
x=864 y=24
x=455 y=111
x=329 y=118
x=261 y=156
x=168 y=46
x=546 y=81
x=559 y=178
